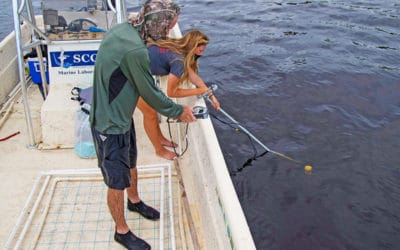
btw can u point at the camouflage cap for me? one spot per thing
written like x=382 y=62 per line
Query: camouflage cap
x=155 y=18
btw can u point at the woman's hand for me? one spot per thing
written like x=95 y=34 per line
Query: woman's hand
x=202 y=89
x=215 y=102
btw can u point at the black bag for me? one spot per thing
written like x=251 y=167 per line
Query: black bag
x=82 y=95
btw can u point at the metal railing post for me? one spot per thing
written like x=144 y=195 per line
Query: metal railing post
x=21 y=70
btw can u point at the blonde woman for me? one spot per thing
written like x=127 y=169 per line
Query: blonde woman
x=176 y=58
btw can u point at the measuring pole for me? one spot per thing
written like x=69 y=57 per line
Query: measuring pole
x=214 y=87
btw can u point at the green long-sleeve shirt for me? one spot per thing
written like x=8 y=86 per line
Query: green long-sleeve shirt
x=122 y=74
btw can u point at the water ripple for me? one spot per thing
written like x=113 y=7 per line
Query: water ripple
x=357 y=119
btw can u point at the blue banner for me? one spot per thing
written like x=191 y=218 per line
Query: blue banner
x=68 y=59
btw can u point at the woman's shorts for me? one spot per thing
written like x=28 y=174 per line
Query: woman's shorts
x=116 y=155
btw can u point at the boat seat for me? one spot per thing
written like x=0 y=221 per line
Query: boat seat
x=58 y=117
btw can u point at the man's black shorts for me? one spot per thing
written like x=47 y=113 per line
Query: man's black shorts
x=116 y=155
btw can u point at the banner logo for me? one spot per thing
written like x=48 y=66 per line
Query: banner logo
x=66 y=59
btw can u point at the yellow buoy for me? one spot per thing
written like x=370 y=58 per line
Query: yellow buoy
x=308 y=169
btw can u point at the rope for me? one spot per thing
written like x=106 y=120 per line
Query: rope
x=186 y=137
x=8 y=137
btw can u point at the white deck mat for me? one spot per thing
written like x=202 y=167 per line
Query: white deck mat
x=67 y=209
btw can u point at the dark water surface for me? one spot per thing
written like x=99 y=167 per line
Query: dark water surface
x=319 y=81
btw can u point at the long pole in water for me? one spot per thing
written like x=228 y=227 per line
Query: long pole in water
x=214 y=87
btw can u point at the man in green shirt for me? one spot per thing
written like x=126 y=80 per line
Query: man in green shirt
x=122 y=74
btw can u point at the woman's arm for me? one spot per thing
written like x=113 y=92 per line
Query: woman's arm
x=173 y=89
x=196 y=80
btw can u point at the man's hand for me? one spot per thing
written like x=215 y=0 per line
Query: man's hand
x=187 y=115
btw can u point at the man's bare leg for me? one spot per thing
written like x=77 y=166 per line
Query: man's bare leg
x=115 y=201
x=135 y=204
x=132 y=191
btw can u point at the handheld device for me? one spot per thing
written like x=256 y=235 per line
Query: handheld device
x=200 y=112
